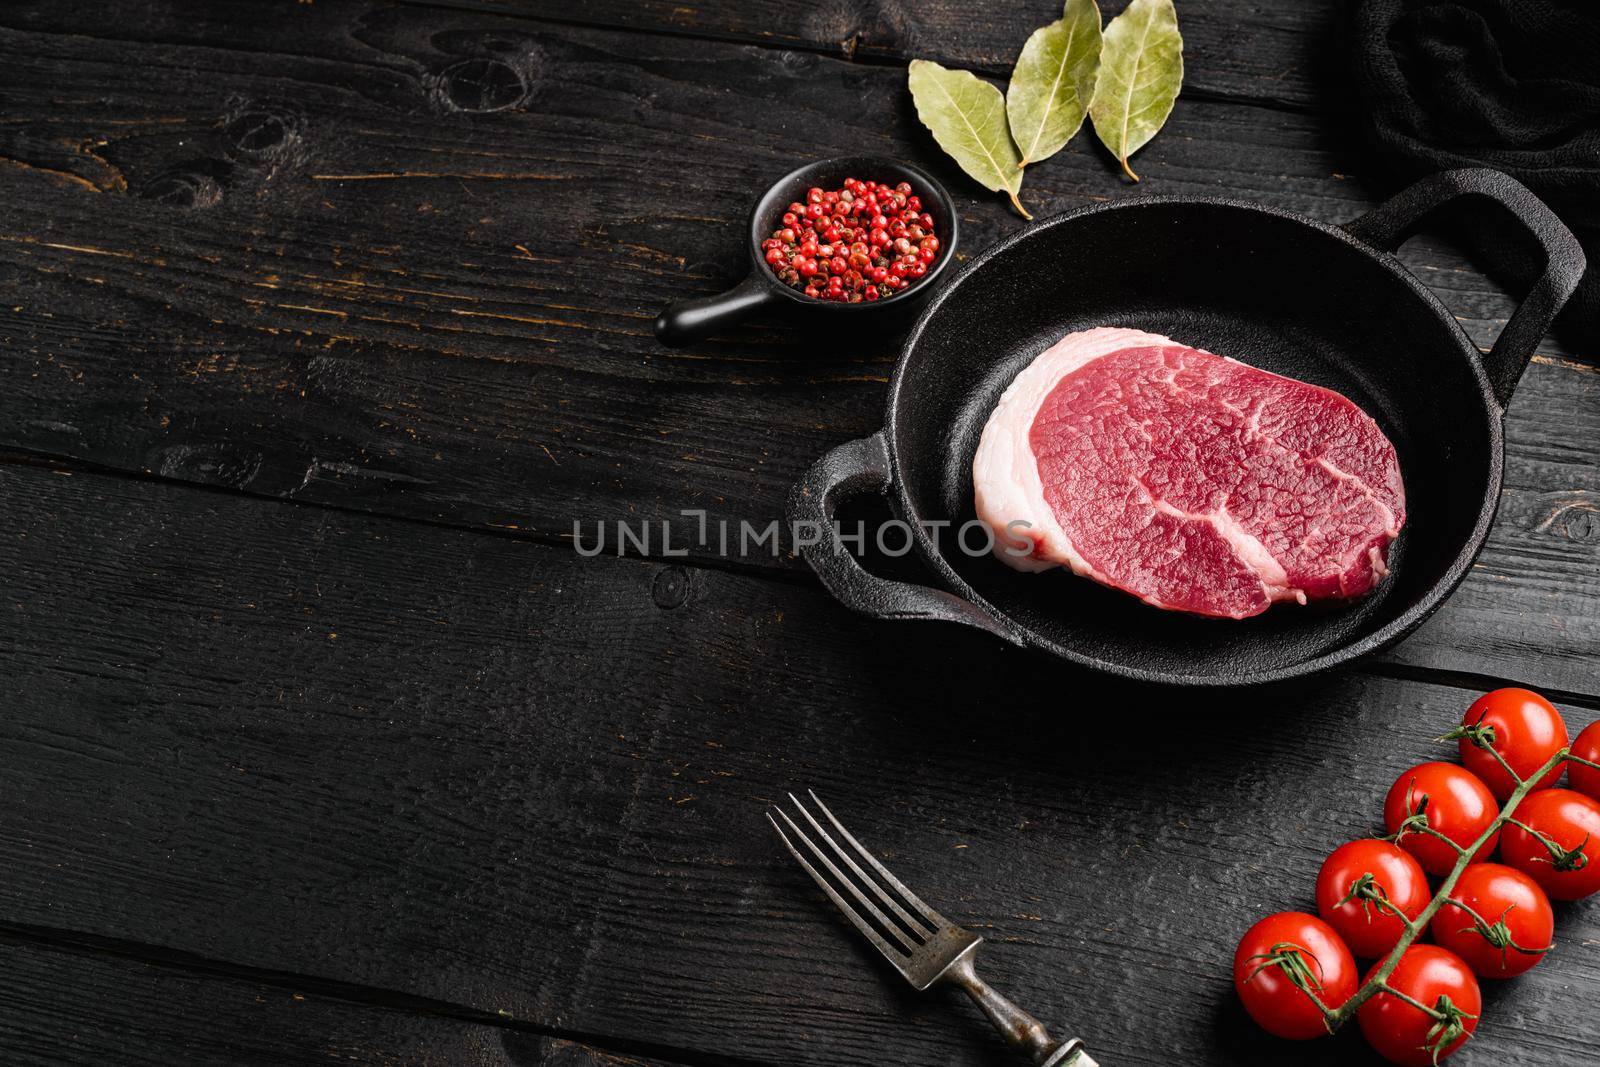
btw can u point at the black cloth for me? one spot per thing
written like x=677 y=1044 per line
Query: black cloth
x=1509 y=84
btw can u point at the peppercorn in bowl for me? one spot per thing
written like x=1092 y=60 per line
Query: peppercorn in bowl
x=856 y=240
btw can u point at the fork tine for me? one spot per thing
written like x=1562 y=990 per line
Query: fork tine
x=898 y=886
x=915 y=928
x=900 y=948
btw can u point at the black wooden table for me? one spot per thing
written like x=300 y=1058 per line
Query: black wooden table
x=321 y=324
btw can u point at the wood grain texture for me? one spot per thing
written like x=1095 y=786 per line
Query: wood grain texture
x=65 y=1005
x=485 y=772
x=1285 y=55
x=405 y=261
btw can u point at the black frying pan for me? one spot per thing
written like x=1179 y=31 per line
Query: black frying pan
x=1321 y=303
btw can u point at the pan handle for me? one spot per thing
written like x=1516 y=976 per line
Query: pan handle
x=1389 y=224
x=694 y=320
x=853 y=468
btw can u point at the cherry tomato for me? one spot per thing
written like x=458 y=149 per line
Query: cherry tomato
x=1586 y=780
x=1459 y=806
x=1516 y=915
x=1399 y=1032
x=1527 y=731
x=1370 y=930
x=1572 y=822
x=1272 y=954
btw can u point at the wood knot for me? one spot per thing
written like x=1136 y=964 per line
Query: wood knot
x=854 y=25
x=670 y=589
x=260 y=135
x=211 y=464
x=184 y=187
x=481 y=85
x=1583 y=525
x=1576 y=516
x=802 y=63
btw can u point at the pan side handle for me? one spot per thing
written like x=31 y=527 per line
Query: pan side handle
x=1389 y=224
x=853 y=468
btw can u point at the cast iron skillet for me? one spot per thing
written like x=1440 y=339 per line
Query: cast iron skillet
x=1322 y=303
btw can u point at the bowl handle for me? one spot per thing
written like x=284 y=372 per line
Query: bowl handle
x=853 y=468
x=689 y=321
x=1389 y=224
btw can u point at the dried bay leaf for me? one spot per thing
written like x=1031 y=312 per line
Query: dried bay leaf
x=1053 y=83
x=1141 y=71
x=967 y=117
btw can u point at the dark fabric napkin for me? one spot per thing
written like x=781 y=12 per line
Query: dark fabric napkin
x=1509 y=84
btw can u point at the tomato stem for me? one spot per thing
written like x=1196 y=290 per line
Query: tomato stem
x=1424 y=828
x=1413 y=1001
x=1450 y=1026
x=1370 y=892
x=1447 y=1016
x=1290 y=959
x=1483 y=737
x=1497 y=933
x=1564 y=859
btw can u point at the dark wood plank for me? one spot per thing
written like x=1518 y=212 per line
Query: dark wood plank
x=65 y=1005
x=483 y=771
x=1528 y=606
x=463 y=334
x=1284 y=54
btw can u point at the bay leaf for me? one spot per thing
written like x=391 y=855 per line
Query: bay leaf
x=1053 y=82
x=967 y=116
x=1141 y=71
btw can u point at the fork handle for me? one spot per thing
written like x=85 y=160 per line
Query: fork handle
x=1021 y=1031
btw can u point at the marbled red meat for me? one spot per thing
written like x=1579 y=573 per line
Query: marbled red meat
x=1193 y=482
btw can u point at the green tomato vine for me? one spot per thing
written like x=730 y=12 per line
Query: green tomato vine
x=1449 y=1021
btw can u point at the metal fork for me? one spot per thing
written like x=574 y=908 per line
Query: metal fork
x=926 y=948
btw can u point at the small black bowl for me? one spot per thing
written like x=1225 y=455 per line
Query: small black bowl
x=693 y=320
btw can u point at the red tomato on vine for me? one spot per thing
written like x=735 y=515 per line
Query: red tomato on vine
x=1586 y=780
x=1361 y=886
x=1519 y=724
x=1554 y=838
x=1402 y=1033
x=1497 y=919
x=1453 y=801
x=1280 y=961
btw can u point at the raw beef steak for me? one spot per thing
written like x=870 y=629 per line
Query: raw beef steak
x=1194 y=482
